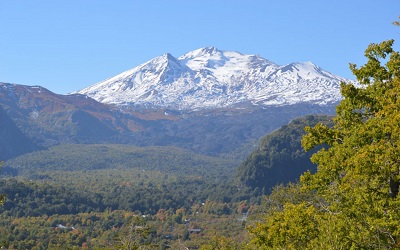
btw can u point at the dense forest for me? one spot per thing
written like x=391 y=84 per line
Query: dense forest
x=187 y=190
x=280 y=157
x=122 y=197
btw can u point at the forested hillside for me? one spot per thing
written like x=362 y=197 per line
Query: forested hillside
x=180 y=193
x=89 y=181
x=279 y=157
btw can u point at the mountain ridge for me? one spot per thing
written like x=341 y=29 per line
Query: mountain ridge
x=209 y=78
x=49 y=119
x=209 y=101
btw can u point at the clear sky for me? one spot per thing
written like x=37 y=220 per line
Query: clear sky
x=68 y=45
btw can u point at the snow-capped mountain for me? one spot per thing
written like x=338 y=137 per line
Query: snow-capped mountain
x=211 y=78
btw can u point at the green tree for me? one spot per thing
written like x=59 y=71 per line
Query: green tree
x=220 y=243
x=137 y=236
x=358 y=175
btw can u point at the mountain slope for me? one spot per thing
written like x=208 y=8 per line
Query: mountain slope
x=225 y=131
x=279 y=158
x=49 y=118
x=210 y=78
x=12 y=141
x=144 y=82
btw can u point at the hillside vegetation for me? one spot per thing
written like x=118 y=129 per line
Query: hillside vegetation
x=72 y=157
x=279 y=157
x=177 y=192
x=89 y=181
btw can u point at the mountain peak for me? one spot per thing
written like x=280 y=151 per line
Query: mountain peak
x=298 y=66
x=209 y=50
x=299 y=71
x=305 y=65
x=165 y=58
x=202 y=52
x=168 y=56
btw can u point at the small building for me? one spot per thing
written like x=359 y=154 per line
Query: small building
x=195 y=230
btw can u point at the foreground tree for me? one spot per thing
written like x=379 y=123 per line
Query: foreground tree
x=358 y=176
x=136 y=236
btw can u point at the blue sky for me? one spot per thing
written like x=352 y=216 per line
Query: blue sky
x=68 y=45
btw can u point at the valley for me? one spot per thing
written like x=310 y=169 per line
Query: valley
x=101 y=190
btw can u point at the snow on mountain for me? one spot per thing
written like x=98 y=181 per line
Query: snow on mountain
x=211 y=78
x=224 y=65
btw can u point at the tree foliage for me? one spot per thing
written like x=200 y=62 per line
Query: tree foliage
x=397 y=23
x=358 y=176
